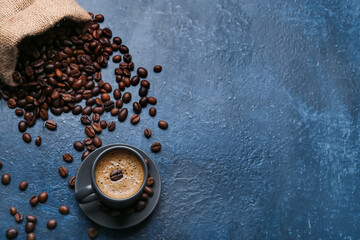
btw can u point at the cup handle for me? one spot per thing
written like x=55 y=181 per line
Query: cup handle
x=86 y=195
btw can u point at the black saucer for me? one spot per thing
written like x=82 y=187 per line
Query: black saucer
x=116 y=220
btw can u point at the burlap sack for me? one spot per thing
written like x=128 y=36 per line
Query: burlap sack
x=21 y=18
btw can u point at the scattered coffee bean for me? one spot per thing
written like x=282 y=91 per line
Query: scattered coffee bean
x=64 y=210
x=135 y=80
x=11 y=103
x=63 y=172
x=43 y=197
x=156 y=147
x=89 y=131
x=135 y=118
x=150 y=181
x=84 y=155
x=96 y=117
x=31 y=218
x=38 y=141
x=79 y=146
x=67 y=157
x=77 y=110
x=149 y=190
x=152 y=100
x=117 y=94
x=157 y=68
x=163 y=125
x=152 y=112
x=87 y=110
x=123 y=114
x=108 y=105
x=126 y=97
x=22 y=126
x=51 y=125
x=0 y=164
x=103 y=124
x=143 y=91
x=26 y=137
x=99 y=18
x=13 y=210
x=18 y=217
x=29 y=227
x=142 y=72
x=31 y=120
x=143 y=101
x=88 y=141
x=71 y=182
x=144 y=196
x=114 y=111
x=34 y=200
x=19 y=112
x=31 y=236
x=111 y=126
x=97 y=128
x=51 y=224
x=97 y=142
x=6 y=179
x=93 y=233
x=11 y=233
x=147 y=133
x=140 y=205
x=137 y=107
x=23 y=185
x=116 y=58
x=44 y=115
x=145 y=83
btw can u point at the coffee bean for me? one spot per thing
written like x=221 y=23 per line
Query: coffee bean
x=116 y=175
x=26 y=137
x=26 y=115
x=152 y=100
x=89 y=131
x=152 y=112
x=127 y=82
x=98 y=110
x=71 y=182
x=51 y=224
x=18 y=217
x=31 y=218
x=97 y=128
x=93 y=233
x=135 y=118
x=44 y=114
x=156 y=147
x=119 y=103
x=140 y=205
x=23 y=185
x=19 y=112
x=11 y=233
x=143 y=101
x=144 y=196
x=137 y=107
x=114 y=111
x=126 y=97
x=13 y=210
x=105 y=97
x=31 y=120
x=135 y=80
x=38 y=141
x=103 y=124
x=0 y=164
x=147 y=133
x=123 y=114
x=87 y=94
x=29 y=227
x=163 y=125
x=22 y=126
x=51 y=125
x=97 y=142
x=111 y=126
x=64 y=210
x=116 y=58
x=123 y=49
x=143 y=91
x=90 y=102
x=108 y=105
x=79 y=146
x=107 y=87
x=85 y=119
x=67 y=157
x=11 y=103
x=145 y=83
x=96 y=117
x=84 y=155
x=157 y=68
x=122 y=86
x=147 y=162
x=142 y=72
x=31 y=236
x=87 y=110
x=88 y=141
x=34 y=200
x=149 y=190
x=63 y=172
x=117 y=40
x=117 y=94
x=99 y=18
x=77 y=110
x=150 y=181
x=44 y=196
x=95 y=91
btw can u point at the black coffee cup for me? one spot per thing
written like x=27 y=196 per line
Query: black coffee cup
x=92 y=192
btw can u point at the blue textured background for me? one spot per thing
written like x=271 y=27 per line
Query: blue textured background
x=262 y=100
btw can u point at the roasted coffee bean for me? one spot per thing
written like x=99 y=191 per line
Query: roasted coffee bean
x=136 y=107
x=88 y=141
x=93 y=233
x=107 y=87
x=26 y=137
x=96 y=117
x=89 y=131
x=143 y=101
x=79 y=146
x=64 y=210
x=147 y=162
x=44 y=114
x=11 y=233
x=116 y=58
x=97 y=128
x=149 y=190
x=95 y=91
x=55 y=111
x=144 y=196
x=119 y=103
x=43 y=197
x=51 y=224
x=150 y=181
x=142 y=72
x=71 y=182
x=156 y=147
x=67 y=157
x=117 y=40
x=51 y=125
x=127 y=82
x=87 y=110
x=99 y=18
x=97 y=141
x=19 y=112
x=87 y=94
x=123 y=114
x=145 y=83
x=98 y=101
x=84 y=155
x=126 y=97
x=18 y=217
x=23 y=185
x=123 y=49
x=143 y=91
x=99 y=110
x=108 y=105
x=135 y=118
x=105 y=97
x=38 y=141
x=77 y=110
x=116 y=175
x=147 y=133
x=163 y=125
x=29 y=227
x=31 y=120
x=31 y=236
x=117 y=94
x=26 y=115
x=13 y=210
x=157 y=68
x=11 y=103
x=90 y=102
x=34 y=200
x=31 y=218
x=63 y=172
x=152 y=100
x=140 y=205
x=135 y=80
x=22 y=126
x=152 y=112
x=103 y=124
x=111 y=126
x=85 y=119
x=122 y=86
x=114 y=111
x=67 y=97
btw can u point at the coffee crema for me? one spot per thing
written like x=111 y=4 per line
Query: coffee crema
x=130 y=166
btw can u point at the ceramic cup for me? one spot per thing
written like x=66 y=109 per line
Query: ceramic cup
x=92 y=192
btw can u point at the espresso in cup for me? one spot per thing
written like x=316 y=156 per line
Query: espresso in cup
x=119 y=174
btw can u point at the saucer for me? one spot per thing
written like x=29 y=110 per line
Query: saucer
x=115 y=221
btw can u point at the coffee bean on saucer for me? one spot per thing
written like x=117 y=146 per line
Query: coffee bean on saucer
x=29 y=227
x=63 y=172
x=150 y=181
x=152 y=112
x=85 y=119
x=144 y=196
x=34 y=200
x=142 y=72
x=116 y=175
x=135 y=118
x=67 y=157
x=111 y=126
x=64 y=210
x=140 y=205
x=147 y=133
x=97 y=128
x=26 y=137
x=93 y=233
x=152 y=100
x=71 y=182
x=103 y=124
x=163 y=125
x=22 y=126
x=6 y=179
x=38 y=141
x=97 y=141
x=157 y=68
x=31 y=236
x=84 y=155
x=43 y=197
x=79 y=146
x=18 y=217
x=11 y=233
x=123 y=114
x=51 y=224
x=149 y=190
x=13 y=210
x=31 y=218
x=156 y=147
x=51 y=125
x=23 y=185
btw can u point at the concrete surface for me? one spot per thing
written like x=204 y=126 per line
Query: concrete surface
x=262 y=100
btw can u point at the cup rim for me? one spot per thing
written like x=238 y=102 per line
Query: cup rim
x=97 y=189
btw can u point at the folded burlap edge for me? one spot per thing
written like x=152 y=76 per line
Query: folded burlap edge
x=37 y=18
